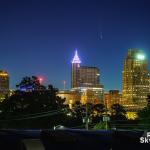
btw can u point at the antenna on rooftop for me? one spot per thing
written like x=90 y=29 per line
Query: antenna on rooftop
x=64 y=83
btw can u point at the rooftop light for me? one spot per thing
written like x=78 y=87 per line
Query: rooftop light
x=140 y=57
x=76 y=58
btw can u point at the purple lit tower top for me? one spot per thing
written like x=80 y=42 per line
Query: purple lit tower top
x=76 y=58
x=85 y=77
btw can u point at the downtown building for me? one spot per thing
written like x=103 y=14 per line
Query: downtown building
x=112 y=97
x=4 y=85
x=85 y=84
x=86 y=80
x=135 y=80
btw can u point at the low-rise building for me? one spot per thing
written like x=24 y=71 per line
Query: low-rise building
x=112 y=97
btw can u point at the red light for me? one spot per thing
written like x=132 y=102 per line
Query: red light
x=40 y=79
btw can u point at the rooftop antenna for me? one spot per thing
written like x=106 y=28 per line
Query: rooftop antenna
x=64 y=83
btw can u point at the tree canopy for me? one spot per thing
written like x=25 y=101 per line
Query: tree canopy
x=31 y=97
x=144 y=116
x=118 y=112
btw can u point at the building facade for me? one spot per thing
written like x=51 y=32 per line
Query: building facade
x=89 y=76
x=83 y=76
x=135 y=80
x=4 y=84
x=86 y=80
x=70 y=96
x=75 y=71
x=112 y=97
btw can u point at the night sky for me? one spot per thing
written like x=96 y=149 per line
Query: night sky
x=39 y=37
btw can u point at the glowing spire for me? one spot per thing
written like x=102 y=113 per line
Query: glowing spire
x=76 y=58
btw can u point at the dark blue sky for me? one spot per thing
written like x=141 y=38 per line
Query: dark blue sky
x=39 y=37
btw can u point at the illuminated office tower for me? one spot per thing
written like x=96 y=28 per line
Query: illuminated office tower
x=84 y=76
x=135 y=80
x=112 y=97
x=75 y=71
x=4 y=84
x=89 y=76
x=86 y=80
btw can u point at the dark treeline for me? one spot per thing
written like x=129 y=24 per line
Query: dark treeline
x=34 y=106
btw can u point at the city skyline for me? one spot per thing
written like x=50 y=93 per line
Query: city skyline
x=40 y=37
x=43 y=78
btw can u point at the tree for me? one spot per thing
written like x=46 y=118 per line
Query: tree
x=33 y=101
x=148 y=101
x=118 y=112
x=99 y=109
x=79 y=113
x=101 y=126
x=30 y=83
x=144 y=116
x=37 y=99
x=78 y=110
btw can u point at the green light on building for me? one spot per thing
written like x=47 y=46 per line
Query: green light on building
x=140 y=57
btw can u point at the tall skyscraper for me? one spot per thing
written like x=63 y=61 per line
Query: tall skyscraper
x=84 y=76
x=86 y=80
x=135 y=80
x=75 y=71
x=89 y=76
x=4 y=84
